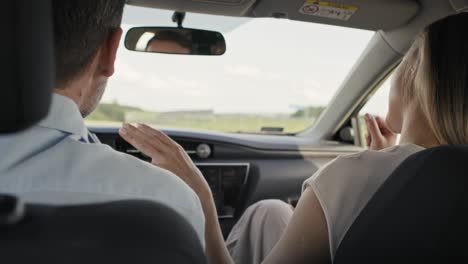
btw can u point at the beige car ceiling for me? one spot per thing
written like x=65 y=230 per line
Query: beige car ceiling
x=366 y=14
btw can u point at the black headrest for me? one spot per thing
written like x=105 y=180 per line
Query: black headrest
x=113 y=232
x=418 y=215
x=26 y=66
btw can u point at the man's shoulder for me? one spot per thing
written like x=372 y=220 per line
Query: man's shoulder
x=100 y=161
x=100 y=154
x=99 y=169
x=57 y=162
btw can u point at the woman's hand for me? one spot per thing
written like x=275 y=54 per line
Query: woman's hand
x=167 y=154
x=379 y=136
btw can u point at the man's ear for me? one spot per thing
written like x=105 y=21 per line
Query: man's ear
x=109 y=53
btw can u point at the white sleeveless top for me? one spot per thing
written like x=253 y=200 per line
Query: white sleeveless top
x=345 y=185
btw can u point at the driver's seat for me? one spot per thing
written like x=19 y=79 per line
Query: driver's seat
x=419 y=215
x=110 y=232
x=118 y=232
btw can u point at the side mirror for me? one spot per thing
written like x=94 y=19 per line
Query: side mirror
x=175 y=41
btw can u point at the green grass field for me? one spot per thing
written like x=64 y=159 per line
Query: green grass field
x=114 y=114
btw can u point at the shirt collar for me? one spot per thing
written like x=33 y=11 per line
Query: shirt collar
x=65 y=116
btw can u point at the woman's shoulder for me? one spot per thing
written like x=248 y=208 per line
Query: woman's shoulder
x=345 y=185
x=365 y=163
x=387 y=152
x=397 y=152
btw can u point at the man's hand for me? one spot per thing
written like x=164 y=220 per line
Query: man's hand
x=379 y=136
x=167 y=154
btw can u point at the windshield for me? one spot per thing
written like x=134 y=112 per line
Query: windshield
x=276 y=76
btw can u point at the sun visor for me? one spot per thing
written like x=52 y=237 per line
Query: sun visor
x=364 y=14
x=218 y=7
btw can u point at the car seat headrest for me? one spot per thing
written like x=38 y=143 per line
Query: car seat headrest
x=26 y=65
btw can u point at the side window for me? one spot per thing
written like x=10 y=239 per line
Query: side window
x=377 y=105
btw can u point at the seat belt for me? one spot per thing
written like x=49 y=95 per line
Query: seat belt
x=92 y=138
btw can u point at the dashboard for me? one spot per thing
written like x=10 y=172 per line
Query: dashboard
x=242 y=169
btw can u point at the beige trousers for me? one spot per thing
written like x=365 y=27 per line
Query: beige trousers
x=258 y=230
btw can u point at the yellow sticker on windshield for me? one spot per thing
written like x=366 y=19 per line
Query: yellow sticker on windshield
x=328 y=10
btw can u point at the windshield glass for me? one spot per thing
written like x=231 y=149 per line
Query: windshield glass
x=276 y=76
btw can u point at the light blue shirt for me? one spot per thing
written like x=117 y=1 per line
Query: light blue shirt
x=54 y=163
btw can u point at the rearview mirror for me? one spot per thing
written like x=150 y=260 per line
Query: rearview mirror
x=175 y=41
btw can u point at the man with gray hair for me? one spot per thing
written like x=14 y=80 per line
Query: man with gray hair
x=58 y=157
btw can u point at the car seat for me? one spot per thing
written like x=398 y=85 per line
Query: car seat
x=419 y=214
x=111 y=232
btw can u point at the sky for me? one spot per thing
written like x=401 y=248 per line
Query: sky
x=271 y=66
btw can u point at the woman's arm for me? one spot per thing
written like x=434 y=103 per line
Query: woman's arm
x=305 y=239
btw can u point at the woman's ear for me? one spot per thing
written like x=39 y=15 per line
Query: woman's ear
x=108 y=53
x=394 y=117
x=402 y=90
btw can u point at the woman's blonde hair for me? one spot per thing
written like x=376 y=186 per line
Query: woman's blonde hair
x=441 y=78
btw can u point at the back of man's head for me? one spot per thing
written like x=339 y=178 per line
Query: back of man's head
x=81 y=27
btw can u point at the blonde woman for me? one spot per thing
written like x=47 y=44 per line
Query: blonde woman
x=428 y=106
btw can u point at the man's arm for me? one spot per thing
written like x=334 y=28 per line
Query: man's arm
x=167 y=154
x=305 y=239
x=216 y=249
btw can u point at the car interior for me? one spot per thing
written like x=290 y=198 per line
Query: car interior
x=241 y=168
